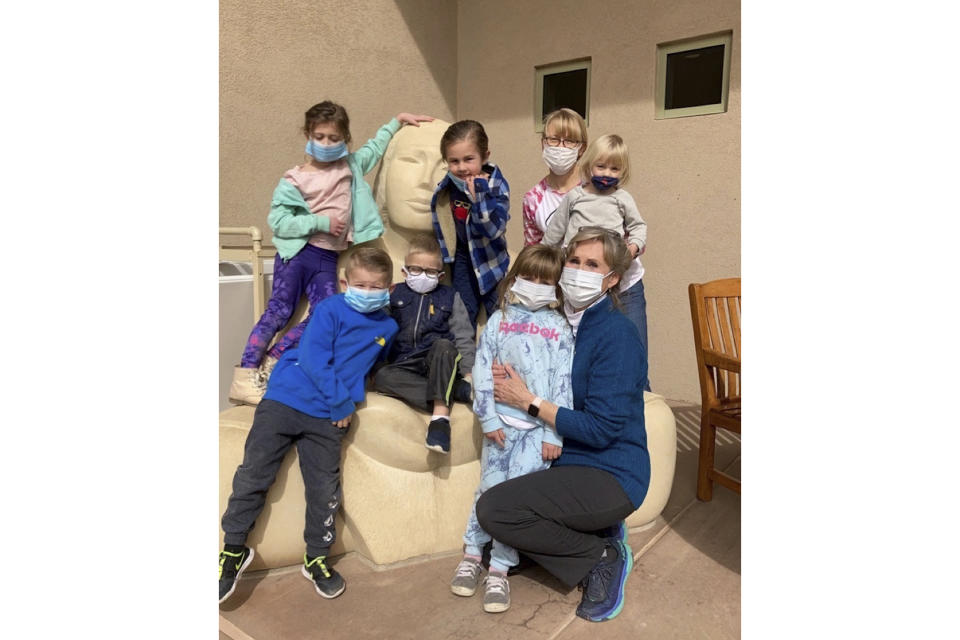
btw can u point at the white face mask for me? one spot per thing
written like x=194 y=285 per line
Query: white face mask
x=560 y=159
x=533 y=295
x=581 y=287
x=421 y=283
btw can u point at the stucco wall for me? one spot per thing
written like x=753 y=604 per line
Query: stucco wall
x=375 y=57
x=685 y=171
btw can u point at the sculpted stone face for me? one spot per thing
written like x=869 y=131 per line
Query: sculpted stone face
x=409 y=172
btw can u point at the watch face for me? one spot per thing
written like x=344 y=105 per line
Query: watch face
x=533 y=410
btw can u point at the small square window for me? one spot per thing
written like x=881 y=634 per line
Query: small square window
x=564 y=84
x=693 y=76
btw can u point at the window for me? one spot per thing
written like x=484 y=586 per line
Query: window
x=693 y=76
x=564 y=84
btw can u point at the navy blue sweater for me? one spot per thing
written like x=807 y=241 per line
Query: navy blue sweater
x=606 y=429
x=324 y=375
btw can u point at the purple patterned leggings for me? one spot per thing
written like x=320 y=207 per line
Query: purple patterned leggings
x=312 y=271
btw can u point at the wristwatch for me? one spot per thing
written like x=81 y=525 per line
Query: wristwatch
x=534 y=408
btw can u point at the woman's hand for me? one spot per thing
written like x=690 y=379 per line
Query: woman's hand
x=343 y=423
x=551 y=451
x=413 y=120
x=497 y=436
x=511 y=389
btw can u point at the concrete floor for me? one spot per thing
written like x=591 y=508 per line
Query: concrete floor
x=685 y=583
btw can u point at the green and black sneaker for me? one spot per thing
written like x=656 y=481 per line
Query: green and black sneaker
x=328 y=582
x=232 y=564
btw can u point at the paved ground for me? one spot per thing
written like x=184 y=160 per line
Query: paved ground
x=685 y=583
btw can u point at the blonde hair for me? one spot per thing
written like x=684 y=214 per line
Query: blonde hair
x=570 y=123
x=373 y=259
x=615 y=254
x=533 y=261
x=425 y=243
x=610 y=147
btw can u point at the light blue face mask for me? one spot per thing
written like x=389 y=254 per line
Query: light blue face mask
x=326 y=152
x=460 y=184
x=367 y=301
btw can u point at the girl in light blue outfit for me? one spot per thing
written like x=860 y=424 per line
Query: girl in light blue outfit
x=530 y=333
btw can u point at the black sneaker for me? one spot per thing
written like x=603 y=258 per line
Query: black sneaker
x=463 y=391
x=618 y=531
x=438 y=436
x=604 y=592
x=327 y=581
x=232 y=566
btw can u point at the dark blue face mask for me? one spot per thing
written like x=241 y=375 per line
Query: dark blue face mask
x=604 y=182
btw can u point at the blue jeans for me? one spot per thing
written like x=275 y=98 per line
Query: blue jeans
x=635 y=308
x=465 y=283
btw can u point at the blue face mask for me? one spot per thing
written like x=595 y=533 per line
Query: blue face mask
x=367 y=301
x=604 y=182
x=326 y=152
x=460 y=184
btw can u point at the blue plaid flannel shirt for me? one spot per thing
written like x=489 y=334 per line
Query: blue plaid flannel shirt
x=486 y=225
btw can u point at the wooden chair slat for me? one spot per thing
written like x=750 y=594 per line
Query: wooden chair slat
x=715 y=312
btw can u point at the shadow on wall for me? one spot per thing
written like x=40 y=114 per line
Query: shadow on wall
x=433 y=26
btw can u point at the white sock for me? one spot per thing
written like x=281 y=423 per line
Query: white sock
x=435 y=417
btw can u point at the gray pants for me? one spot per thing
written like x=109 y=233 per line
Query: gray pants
x=277 y=427
x=421 y=380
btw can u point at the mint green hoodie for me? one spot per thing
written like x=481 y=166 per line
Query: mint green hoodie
x=293 y=223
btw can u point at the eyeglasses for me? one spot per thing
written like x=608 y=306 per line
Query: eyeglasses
x=569 y=144
x=414 y=270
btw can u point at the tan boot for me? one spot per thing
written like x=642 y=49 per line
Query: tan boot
x=269 y=362
x=248 y=386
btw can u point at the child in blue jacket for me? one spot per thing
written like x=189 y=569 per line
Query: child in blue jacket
x=431 y=362
x=478 y=199
x=310 y=397
x=318 y=209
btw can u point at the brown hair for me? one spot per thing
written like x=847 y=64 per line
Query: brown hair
x=373 y=259
x=610 y=148
x=464 y=130
x=533 y=261
x=615 y=253
x=327 y=111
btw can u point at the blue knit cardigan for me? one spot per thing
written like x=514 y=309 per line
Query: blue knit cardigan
x=606 y=429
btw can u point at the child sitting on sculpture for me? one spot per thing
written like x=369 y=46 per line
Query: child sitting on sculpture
x=435 y=342
x=310 y=397
x=318 y=209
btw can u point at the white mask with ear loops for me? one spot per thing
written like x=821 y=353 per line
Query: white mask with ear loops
x=581 y=287
x=532 y=295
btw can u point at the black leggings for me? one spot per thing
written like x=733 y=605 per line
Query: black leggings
x=552 y=516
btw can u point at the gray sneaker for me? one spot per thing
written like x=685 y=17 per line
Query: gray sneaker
x=467 y=578
x=496 y=596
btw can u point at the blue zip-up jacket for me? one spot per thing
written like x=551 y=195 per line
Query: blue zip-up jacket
x=323 y=376
x=426 y=317
x=606 y=428
x=486 y=225
x=539 y=347
x=292 y=221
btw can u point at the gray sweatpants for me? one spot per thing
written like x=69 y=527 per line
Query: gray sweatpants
x=277 y=427
x=421 y=380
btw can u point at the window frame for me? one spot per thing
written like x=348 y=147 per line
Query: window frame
x=664 y=49
x=552 y=68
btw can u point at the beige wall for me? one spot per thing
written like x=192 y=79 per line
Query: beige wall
x=685 y=171
x=476 y=60
x=375 y=57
